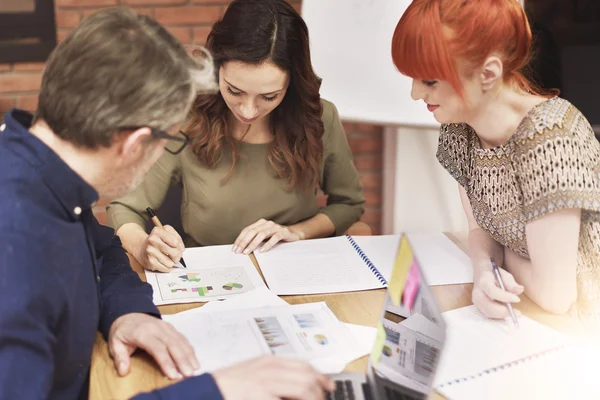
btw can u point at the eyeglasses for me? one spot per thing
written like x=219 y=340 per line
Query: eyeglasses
x=176 y=144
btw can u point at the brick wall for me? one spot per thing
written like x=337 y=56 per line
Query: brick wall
x=190 y=22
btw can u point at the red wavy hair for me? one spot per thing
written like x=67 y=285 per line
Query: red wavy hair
x=434 y=35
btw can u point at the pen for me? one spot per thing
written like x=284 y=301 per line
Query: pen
x=157 y=223
x=499 y=279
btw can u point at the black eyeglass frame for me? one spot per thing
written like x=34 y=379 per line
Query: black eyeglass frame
x=160 y=134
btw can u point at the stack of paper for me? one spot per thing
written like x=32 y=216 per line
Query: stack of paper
x=259 y=322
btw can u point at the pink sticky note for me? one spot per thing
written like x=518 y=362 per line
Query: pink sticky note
x=413 y=282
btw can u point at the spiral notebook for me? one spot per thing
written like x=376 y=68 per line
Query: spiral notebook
x=485 y=359
x=316 y=266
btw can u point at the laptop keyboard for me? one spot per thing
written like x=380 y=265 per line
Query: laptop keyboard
x=344 y=390
x=391 y=394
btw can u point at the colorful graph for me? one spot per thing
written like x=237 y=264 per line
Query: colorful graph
x=306 y=320
x=321 y=339
x=231 y=286
x=202 y=291
x=387 y=351
x=190 y=277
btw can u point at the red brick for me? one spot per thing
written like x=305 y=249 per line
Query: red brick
x=153 y=2
x=372 y=216
x=62 y=35
x=85 y=3
x=371 y=180
x=188 y=15
x=372 y=198
x=5 y=67
x=30 y=67
x=6 y=103
x=145 y=11
x=349 y=127
x=361 y=144
x=142 y=11
x=369 y=128
x=28 y=103
x=67 y=18
x=20 y=82
x=297 y=6
x=201 y=33
x=368 y=162
x=184 y=35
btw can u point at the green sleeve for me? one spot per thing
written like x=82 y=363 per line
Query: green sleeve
x=151 y=193
x=340 y=179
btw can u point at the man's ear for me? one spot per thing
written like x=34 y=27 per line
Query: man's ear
x=491 y=73
x=132 y=145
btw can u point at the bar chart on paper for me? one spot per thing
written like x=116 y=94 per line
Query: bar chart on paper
x=214 y=273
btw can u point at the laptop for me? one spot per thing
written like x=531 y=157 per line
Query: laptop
x=405 y=355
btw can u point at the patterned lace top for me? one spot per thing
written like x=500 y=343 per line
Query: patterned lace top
x=551 y=162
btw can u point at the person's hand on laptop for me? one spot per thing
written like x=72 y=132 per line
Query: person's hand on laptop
x=489 y=298
x=170 y=349
x=272 y=378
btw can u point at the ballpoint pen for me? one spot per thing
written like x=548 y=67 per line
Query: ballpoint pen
x=157 y=223
x=499 y=279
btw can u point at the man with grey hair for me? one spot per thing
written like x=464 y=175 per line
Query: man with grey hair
x=112 y=98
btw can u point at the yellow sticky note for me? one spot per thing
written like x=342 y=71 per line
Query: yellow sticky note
x=404 y=260
x=379 y=343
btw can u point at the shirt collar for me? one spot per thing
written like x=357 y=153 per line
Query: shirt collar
x=75 y=194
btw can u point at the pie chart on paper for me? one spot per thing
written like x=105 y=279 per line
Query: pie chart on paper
x=233 y=286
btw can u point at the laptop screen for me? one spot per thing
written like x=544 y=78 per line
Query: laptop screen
x=411 y=331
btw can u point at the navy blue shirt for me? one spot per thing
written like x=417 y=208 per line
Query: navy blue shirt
x=63 y=276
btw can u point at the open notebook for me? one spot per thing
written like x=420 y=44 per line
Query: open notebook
x=490 y=359
x=352 y=263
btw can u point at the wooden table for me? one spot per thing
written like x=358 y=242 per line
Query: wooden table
x=362 y=308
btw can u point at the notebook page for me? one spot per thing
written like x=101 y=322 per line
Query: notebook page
x=570 y=373
x=315 y=266
x=442 y=262
x=475 y=343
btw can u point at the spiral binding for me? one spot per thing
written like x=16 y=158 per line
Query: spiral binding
x=364 y=257
x=503 y=366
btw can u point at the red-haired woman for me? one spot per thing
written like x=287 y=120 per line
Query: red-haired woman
x=527 y=163
x=259 y=149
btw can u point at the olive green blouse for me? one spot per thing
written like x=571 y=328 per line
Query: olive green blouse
x=215 y=212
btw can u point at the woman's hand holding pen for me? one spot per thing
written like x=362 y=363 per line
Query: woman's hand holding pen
x=161 y=250
x=489 y=298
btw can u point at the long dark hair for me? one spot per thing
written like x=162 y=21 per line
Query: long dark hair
x=255 y=31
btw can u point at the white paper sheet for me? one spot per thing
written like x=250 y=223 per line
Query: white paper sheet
x=316 y=266
x=363 y=336
x=213 y=273
x=442 y=262
x=570 y=373
x=309 y=332
x=475 y=343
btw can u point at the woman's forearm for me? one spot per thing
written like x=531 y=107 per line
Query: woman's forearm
x=481 y=247
x=132 y=237
x=319 y=226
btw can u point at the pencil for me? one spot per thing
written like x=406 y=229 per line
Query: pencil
x=157 y=223
x=499 y=279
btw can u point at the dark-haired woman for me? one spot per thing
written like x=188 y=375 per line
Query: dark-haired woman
x=259 y=151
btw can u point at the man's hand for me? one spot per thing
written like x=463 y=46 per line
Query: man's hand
x=254 y=235
x=167 y=346
x=272 y=378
